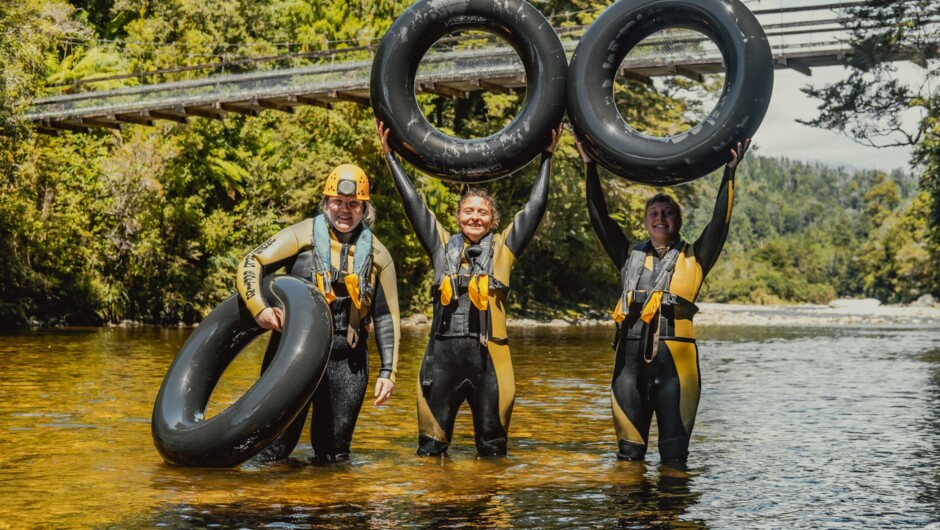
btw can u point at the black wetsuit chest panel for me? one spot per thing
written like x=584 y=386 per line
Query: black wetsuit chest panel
x=460 y=318
x=340 y=306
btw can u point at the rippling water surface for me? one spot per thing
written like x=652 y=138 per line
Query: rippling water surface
x=797 y=428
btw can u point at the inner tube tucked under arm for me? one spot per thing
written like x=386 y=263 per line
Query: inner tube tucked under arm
x=180 y=431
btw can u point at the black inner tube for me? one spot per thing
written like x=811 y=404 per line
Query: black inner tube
x=181 y=434
x=736 y=116
x=482 y=159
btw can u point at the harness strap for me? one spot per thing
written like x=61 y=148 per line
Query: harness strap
x=654 y=297
x=357 y=282
x=478 y=281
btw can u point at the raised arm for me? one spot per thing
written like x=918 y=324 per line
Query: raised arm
x=708 y=246
x=525 y=223
x=610 y=234
x=430 y=233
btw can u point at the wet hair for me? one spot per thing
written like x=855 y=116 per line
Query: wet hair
x=368 y=213
x=483 y=194
x=662 y=197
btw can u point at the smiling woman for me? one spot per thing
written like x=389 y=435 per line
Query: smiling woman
x=657 y=359
x=467 y=358
x=337 y=252
x=477 y=214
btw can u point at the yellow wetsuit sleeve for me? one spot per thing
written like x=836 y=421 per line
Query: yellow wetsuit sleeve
x=526 y=221
x=285 y=244
x=386 y=318
x=708 y=246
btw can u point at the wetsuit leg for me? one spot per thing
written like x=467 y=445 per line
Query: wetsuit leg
x=630 y=402
x=492 y=400
x=676 y=391
x=338 y=399
x=284 y=444
x=453 y=364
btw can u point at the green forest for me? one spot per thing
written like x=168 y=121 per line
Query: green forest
x=148 y=223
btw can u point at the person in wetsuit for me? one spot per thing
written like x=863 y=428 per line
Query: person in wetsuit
x=338 y=253
x=467 y=357
x=656 y=369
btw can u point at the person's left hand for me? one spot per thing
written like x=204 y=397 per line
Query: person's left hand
x=383 y=390
x=737 y=154
x=383 y=136
x=556 y=135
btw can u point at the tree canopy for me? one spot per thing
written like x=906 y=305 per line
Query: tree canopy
x=148 y=223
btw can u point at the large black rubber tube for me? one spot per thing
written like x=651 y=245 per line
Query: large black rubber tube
x=706 y=147
x=246 y=427
x=477 y=160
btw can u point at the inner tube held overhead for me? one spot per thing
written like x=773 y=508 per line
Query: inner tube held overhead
x=616 y=145
x=457 y=159
x=181 y=434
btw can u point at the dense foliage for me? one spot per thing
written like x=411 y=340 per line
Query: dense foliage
x=876 y=106
x=148 y=223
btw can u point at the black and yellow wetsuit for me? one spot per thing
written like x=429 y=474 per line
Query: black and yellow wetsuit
x=338 y=398
x=467 y=357
x=658 y=372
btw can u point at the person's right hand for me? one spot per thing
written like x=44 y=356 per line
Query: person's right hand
x=270 y=318
x=383 y=136
x=556 y=135
x=738 y=154
x=584 y=156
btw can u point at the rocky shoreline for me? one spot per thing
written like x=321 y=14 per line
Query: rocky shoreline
x=842 y=312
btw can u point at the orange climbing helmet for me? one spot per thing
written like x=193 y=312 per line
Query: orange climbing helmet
x=347 y=180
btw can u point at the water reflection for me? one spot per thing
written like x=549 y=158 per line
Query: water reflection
x=659 y=502
x=930 y=486
x=798 y=428
x=474 y=494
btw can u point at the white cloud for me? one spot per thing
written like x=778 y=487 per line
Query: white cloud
x=781 y=136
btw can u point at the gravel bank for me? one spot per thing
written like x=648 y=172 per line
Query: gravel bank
x=839 y=312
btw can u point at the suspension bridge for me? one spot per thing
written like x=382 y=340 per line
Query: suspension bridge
x=802 y=37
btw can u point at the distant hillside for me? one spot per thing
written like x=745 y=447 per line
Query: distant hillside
x=810 y=233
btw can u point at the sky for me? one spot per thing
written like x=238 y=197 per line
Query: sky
x=781 y=136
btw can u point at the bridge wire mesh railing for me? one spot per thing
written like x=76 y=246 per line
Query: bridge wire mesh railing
x=803 y=28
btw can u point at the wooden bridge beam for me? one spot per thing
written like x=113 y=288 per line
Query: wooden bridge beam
x=212 y=111
x=443 y=90
x=141 y=118
x=689 y=73
x=354 y=98
x=109 y=122
x=315 y=101
x=794 y=64
x=280 y=105
x=177 y=114
x=48 y=131
x=73 y=125
x=240 y=107
x=636 y=76
x=486 y=84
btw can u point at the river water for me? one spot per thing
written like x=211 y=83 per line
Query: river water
x=797 y=428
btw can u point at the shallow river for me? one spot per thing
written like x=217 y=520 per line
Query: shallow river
x=797 y=428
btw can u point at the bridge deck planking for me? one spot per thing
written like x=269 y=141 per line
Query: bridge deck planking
x=796 y=44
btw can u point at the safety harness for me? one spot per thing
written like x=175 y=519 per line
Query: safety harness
x=477 y=279
x=479 y=282
x=357 y=282
x=651 y=301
